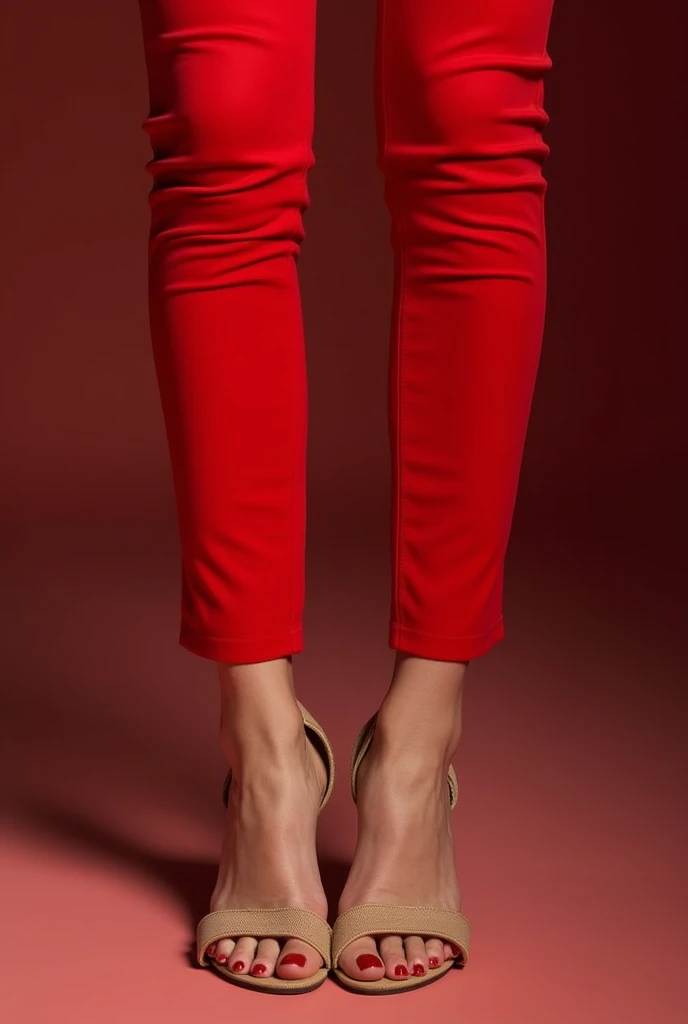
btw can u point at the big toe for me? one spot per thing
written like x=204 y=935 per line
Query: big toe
x=298 y=960
x=360 y=959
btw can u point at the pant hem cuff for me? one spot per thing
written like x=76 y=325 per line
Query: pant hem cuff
x=247 y=649
x=444 y=648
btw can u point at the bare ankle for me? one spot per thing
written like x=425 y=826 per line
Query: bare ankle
x=259 y=715
x=420 y=716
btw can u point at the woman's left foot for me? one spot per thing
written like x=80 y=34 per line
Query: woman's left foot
x=405 y=848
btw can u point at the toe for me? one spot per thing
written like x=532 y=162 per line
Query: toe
x=434 y=950
x=242 y=955
x=416 y=956
x=223 y=950
x=265 y=958
x=298 y=960
x=448 y=951
x=392 y=952
x=360 y=960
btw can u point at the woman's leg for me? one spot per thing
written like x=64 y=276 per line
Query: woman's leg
x=460 y=90
x=230 y=123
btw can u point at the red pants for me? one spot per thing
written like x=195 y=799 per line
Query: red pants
x=458 y=93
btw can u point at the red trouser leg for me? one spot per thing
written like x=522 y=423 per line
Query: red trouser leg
x=231 y=116
x=459 y=108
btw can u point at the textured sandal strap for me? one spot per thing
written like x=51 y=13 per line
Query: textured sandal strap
x=360 y=748
x=393 y=919
x=318 y=738
x=453 y=783
x=359 y=751
x=277 y=922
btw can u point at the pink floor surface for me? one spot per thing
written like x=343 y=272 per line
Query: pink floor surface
x=571 y=827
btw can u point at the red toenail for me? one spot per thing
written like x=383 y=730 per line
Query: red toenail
x=298 y=959
x=221 y=958
x=238 y=965
x=258 y=969
x=367 y=960
x=418 y=969
x=210 y=951
x=401 y=971
x=433 y=961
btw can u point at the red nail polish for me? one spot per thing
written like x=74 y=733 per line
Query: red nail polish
x=298 y=959
x=433 y=961
x=221 y=958
x=238 y=965
x=367 y=960
x=401 y=971
x=210 y=951
x=418 y=970
x=258 y=969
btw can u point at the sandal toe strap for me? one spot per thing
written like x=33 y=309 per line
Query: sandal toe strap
x=395 y=919
x=274 y=922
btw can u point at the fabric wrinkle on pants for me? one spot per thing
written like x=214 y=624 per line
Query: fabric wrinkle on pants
x=459 y=91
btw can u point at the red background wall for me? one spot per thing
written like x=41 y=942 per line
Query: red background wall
x=573 y=756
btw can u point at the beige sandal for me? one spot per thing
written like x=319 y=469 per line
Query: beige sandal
x=277 y=922
x=396 y=919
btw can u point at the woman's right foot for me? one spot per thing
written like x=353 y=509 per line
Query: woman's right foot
x=268 y=856
x=405 y=846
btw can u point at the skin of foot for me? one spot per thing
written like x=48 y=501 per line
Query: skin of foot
x=405 y=847
x=268 y=856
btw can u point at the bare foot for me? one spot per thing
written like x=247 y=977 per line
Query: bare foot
x=268 y=856
x=405 y=848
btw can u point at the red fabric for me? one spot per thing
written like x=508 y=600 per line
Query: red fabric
x=459 y=91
